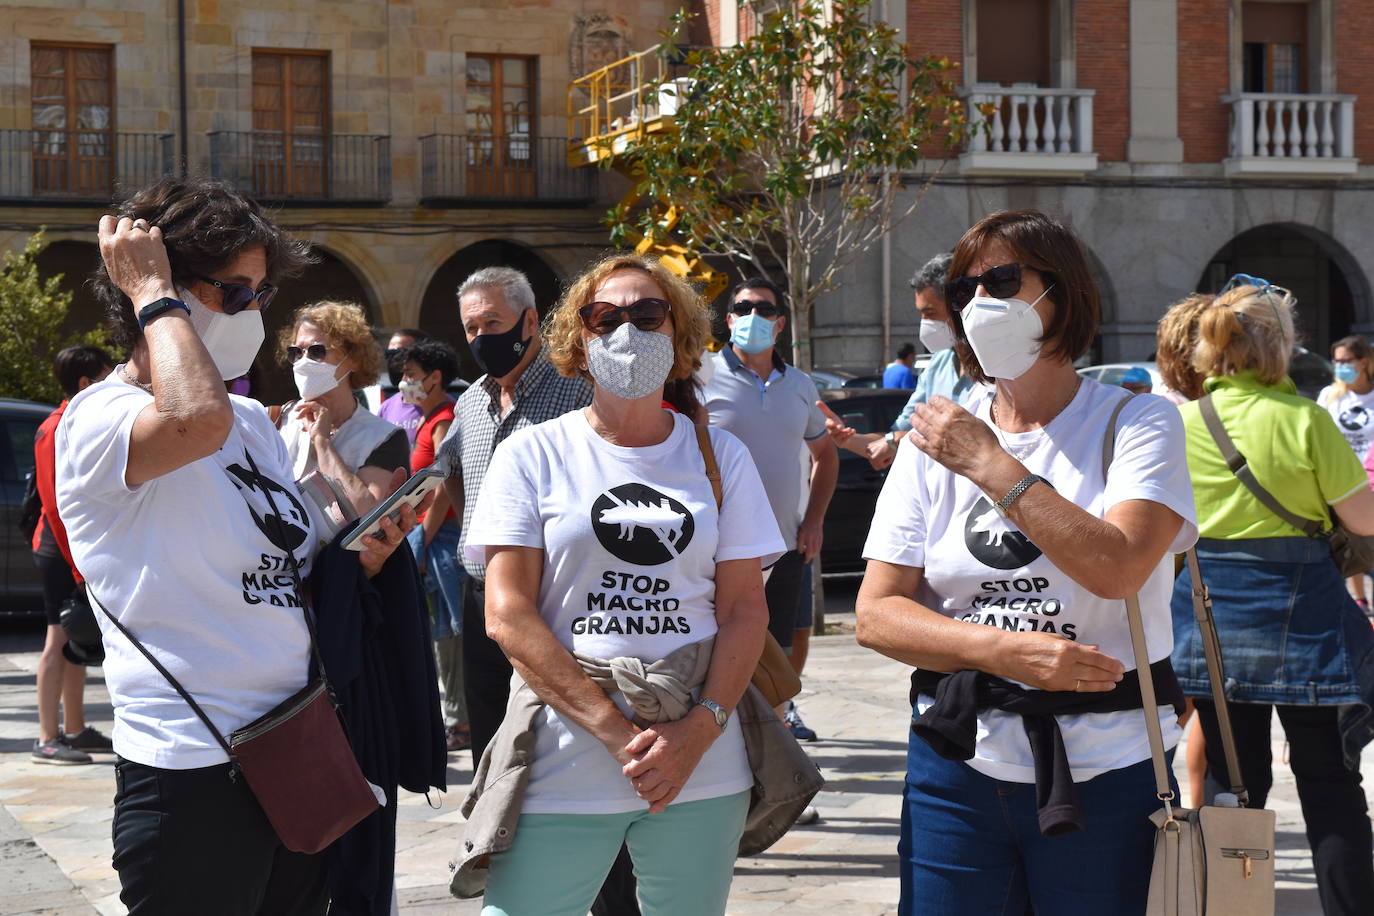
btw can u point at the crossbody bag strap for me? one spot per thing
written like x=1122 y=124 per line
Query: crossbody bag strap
x=1216 y=674
x=176 y=685
x=1241 y=468
x=708 y=454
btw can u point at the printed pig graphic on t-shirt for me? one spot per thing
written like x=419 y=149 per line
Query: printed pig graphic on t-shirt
x=661 y=520
x=994 y=525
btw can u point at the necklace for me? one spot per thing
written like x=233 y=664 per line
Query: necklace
x=124 y=374
x=1021 y=452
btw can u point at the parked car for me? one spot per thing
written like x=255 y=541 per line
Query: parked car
x=868 y=410
x=21 y=592
x=833 y=378
x=1112 y=373
x=1311 y=372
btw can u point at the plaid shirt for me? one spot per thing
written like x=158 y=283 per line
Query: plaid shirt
x=540 y=394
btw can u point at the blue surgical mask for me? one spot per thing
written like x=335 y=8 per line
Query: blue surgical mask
x=1346 y=373
x=752 y=333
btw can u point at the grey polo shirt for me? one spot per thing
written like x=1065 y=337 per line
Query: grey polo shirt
x=772 y=418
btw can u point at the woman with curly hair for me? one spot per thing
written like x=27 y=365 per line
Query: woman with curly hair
x=331 y=351
x=1174 y=341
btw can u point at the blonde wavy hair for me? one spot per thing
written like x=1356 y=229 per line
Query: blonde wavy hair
x=1175 y=340
x=1248 y=327
x=691 y=323
x=347 y=330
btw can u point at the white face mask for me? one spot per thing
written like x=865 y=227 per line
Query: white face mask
x=411 y=392
x=1004 y=334
x=233 y=340
x=630 y=363
x=314 y=378
x=936 y=335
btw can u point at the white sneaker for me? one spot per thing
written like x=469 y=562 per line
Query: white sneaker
x=808 y=817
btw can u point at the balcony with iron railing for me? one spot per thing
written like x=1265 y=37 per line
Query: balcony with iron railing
x=79 y=166
x=1028 y=130
x=1291 y=135
x=304 y=168
x=473 y=170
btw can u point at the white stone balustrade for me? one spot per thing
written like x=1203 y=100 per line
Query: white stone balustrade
x=1275 y=133
x=1029 y=130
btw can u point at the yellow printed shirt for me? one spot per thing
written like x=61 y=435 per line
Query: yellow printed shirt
x=1293 y=447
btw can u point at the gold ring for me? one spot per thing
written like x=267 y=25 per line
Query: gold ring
x=1076 y=683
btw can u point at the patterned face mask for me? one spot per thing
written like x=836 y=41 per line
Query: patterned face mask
x=630 y=363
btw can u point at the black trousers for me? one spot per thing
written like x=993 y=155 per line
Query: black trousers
x=192 y=841
x=783 y=593
x=1333 y=802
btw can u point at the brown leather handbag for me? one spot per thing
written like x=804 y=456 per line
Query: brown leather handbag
x=296 y=758
x=774 y=676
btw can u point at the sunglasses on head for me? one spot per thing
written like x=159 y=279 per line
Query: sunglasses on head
x=235 y=297
x=605 y=317
x=314 y=351
x=1002 y=282
x=765 y=309
x=1262 y=284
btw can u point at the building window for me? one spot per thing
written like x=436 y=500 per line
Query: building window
x=1013 y=42
x=72 y=94
x=1274 y=47
x=290 y=144
x=501 y=101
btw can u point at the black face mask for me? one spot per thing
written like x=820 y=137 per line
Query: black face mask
x=393 y=371
x=498 y=354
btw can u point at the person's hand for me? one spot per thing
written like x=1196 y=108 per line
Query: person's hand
x=809 y=538
x=880 y=453
x=378 y=548
x=136 y=259
x=954 y=437
x=839 y=431
x=665 y=755
x=317 y=423
x=1046 y=661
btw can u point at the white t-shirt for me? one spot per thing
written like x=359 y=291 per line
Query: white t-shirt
x=980 y=568
x=1354 y=415
x=187 y=563
x=631 y=538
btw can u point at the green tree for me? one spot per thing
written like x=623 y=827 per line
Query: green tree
x=795 y=150
x=32 y=310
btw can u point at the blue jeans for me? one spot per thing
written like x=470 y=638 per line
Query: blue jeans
x=971 y=845
x=444 y=576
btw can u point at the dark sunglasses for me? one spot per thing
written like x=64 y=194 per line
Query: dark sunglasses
x=235 y=297
x=743 y=307
x=1002 y=281
x=314 y=351
x=603 y=317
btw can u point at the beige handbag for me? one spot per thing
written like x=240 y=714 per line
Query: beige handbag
x=1213 y=860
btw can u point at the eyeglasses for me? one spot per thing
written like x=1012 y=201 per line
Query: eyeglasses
x=605 y=317
x=235 y=297
x=765 y=309
x=1002 y=282
x=314 y=351
x=1260 y=283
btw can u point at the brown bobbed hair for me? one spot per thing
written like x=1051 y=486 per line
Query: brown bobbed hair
x=205 y=226
x=691 y=322
x=1362 y=351
x=1175 y=340
x=1047 y=245
x=347 y=330
x=1246 y=328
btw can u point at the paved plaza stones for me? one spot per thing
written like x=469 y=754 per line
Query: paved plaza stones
x=55 y=823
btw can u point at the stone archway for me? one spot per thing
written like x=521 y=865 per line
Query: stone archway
x=439 y=307
x=76 y=262
x=1332 y=292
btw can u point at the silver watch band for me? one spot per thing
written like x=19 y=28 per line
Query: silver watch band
x=1022 y=485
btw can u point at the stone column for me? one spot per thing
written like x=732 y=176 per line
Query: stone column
x=1154 y=82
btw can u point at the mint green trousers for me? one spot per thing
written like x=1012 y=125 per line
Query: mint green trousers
x=683 y=860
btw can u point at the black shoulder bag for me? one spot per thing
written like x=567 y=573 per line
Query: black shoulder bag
x=296 y=758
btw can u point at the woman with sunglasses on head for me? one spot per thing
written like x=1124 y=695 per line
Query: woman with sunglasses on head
x=332 y=352
x=602 y=538
x=1000 y=553
x=182 y=514
x=1292 y=640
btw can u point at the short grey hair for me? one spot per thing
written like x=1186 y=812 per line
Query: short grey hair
x=933 y=274
x=514 y=286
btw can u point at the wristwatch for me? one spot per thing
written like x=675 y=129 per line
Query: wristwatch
x=716 y=710
x=158 y=307
x=891 y=438
x=1022 y=485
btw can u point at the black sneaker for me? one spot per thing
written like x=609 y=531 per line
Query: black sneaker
x=795 y=724
x=58 y=752
x=90 y=740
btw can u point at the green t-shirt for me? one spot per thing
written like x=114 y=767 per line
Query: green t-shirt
x=1293 y=447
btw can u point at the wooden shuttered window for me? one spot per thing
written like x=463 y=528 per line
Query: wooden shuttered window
x=290 y=142
x=500 y=118
x=72 y=99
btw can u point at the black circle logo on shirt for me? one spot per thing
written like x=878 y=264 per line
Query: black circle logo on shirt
x=640 y=525
x=1354 y=418
x=287 y=530
x=994 y=541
